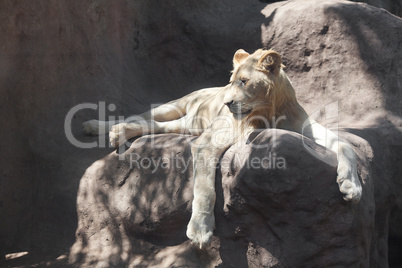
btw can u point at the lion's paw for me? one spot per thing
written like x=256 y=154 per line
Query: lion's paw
x=349 y=184
x=200 y=229
x=94 y=127
x=117 y=134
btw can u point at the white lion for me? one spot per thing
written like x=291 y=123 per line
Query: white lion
x=259 y=91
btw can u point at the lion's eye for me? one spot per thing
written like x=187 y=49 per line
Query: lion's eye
x=243 y=81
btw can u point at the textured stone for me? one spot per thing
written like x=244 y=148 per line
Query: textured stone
x=277 y=204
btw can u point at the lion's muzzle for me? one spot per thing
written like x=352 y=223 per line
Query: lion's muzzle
x=238 y=108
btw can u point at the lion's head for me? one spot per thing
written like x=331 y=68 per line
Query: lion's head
x=259 y=89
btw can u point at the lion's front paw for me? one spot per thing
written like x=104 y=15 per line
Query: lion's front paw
x=117 y=134
x=94 y=127
x=200 y=229
x=349 y=184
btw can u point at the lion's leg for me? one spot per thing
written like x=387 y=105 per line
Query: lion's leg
x=170 y=111
x=121 y=132
x=348 y=179
x=96 y=127
x=206 y=151
x=178 y=108
x=166 y=112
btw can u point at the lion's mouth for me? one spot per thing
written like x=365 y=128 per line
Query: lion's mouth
x=239 y=111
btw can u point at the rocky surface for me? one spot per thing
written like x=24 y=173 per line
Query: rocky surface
x=136 y=53
x=393 y=6
x=277 y=206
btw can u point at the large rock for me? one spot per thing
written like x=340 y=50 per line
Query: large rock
x=277 y=205
x=342 y=56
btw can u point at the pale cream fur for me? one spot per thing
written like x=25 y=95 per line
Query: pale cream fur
x=258 y=92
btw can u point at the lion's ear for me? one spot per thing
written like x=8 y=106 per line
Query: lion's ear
x=271 y=61
x=239 y=57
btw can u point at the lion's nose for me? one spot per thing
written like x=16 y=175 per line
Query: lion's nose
x=228 y=103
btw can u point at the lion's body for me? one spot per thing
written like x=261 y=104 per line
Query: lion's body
x=259 y=96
